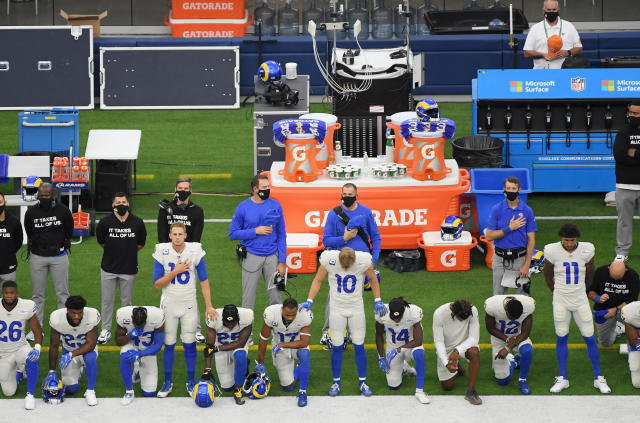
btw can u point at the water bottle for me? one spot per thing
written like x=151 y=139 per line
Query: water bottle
x=337 y=151
x=313 y=13
x=288 y=20
x=400 y=22
x=497 y=5
x=422 y=28
x=362 y=14
x=267 y=15
x=382 y=20
x=389 y=148
x=473 y=6
x=365 y=164
x=340 y=34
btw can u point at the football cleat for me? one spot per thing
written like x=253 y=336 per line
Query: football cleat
x=127 y=398
x=422 y=397
x=407 y=369
x=90 y=396
x=335 y=389
x=600 y=383
x=516 y=358
x=624 y=349
x=364 y=389
x=524 y=386
x=29 y=402
x=621 y=257
x=200 y=339
x=237 y=396
x=472 y=396
x=302 y=399
x=561 y=384
x=104 y=337
x=166 y=389
x=620 y=329
x=191 y=384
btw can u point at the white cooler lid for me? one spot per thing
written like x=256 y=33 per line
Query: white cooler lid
x=327 y=118
x=398 y=118
x=303 y=240
x=300 y=136
x=431 y=239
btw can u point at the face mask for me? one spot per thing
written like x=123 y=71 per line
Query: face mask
x=511 y=196
x=2 y=209
x=264 y=193
x=348 y=201
x=45 y=203
x=183 y=195
x=121 y=209
x=634 y=121
x=551 y=17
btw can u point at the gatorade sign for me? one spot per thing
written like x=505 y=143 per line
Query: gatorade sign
x=299 y=154
x=448 y=258
x=294 y=261
x=428 y=152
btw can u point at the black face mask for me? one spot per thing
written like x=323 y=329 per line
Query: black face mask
x=183 y=195
x=551 y=17
x=348 y=201
x=121 y=209
x=264 y=193
x=2 y=207
x=511 y=196
x=634 y=121
x=45 y=203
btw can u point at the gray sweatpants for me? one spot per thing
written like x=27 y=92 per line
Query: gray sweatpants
x=8 y=277
x=110 y=283
x=627 y=202
x=499 y=266
x=607 y=330
x=253 y=267
x=40 y=268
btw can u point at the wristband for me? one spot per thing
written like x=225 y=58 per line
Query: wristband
x=506 y=230
x=310 y=300
x=37 y=347
x=263 y=338
x=376 y=300
x=597 y=300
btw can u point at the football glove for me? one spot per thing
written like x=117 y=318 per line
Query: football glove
x=207 y=375
x=380 y=309
x=275 y=350
x=260 y=368
x=135 y=333
x=599 y=315
x=306 y=305
x=65 y=360
x=34 y=355
x=636 y=348
x=384 y=366
x=132 y=355
x=391 y=355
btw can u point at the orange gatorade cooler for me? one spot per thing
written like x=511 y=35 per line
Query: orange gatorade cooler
x=326 y=153
x=428 y=156
x=447 y=255
x=207 y=9
x=208 y=28
x=302 y=252
x=403 y=150
x=300 y=162
x=488 y=258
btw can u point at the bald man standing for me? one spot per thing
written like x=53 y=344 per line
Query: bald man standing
x=614 y=286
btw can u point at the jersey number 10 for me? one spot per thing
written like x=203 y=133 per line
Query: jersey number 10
x=343 y=283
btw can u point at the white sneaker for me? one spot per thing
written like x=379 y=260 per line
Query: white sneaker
x=104 y=337
x=406 y=368
x=422 y=397
x=127 y=398
x=200 y=338
x=30 y=337
x=624 y=349
x=29 y=402
x=620 y=329
x=560 y=385
x=621 y=257
x=601 y=383
x=90 y=395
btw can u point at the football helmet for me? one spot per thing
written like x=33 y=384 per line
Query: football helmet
x=367 y=283
x=30 y=186
x=204 y=393
x=451 y=228
x=256 y=385
x=427 y=109
x=537 y=261
x=269 y=71
x=53 y=391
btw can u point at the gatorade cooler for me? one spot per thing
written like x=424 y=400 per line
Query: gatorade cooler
x=208 y=28
x=300 y=162
x=326 y=153
x=488 y=257
x=445 y=256
x=428 y=156
x=302 y=252
x=403 y=149
x=207 y=9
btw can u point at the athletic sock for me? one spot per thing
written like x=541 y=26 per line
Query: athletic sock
x=126 y=370
x=190 y=355
x=336 y=362
x=304 y=368
x=32 y=376
x=594 y=355
x=240 y=357
x=421 y=367
x=361 y=360
x=526 y=356
x=167 y=358
x=562 y=352
x=91 y=369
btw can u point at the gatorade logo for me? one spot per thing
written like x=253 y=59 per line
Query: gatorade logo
x=428 y=152
x=298 y=154
x=207 y=34
x=207 y=6
x=294 y=261
x=448 y=258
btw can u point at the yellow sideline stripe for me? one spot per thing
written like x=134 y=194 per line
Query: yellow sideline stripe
x=113 y=348
x=144 y=176
x=205 y=175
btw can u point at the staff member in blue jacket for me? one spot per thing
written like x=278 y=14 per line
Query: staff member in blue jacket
x=512 y=226
x=258 y=223
x=350 y=224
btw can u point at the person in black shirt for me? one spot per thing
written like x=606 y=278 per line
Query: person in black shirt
x=10 y=242
x=613 y=287
x=49 y=228
x=182 y=209
x=121 y=235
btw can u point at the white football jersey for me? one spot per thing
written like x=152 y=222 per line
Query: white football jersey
x=225 y=335
x=280 y=331
x=183 y=286
x=494 y=307
x=155 y=319
x=74 y=337
x=345 y=286
x=13 y=323
x=631 y=314
x=569 y=268
x=400 y=333
x=451 y=333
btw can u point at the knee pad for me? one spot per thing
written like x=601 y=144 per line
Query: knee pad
x=394 y=388
x=71 y=389
x=9 y=392
x=148 y=394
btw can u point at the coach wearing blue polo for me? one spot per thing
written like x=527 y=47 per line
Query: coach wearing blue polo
x=512 y=227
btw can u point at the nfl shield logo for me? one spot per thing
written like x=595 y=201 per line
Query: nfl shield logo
x=578 y=84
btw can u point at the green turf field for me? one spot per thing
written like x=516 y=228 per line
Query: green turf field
x=220 y=142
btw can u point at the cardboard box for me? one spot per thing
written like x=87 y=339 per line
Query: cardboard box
x=77 y=20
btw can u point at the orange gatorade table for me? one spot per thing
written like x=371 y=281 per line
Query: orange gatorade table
x=403 y=207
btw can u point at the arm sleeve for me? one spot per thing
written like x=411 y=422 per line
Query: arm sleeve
x=620 y=147
x=153 y=349
x=163 y=227
x=282 y=238
x=329 y=237
x=28 y=224
x=201 y=268
x=376 y=240
x=198 y=226
x=474 y=335
x=101 y=233
x=142 y=234
x=18 y=236
x=67 y=223
x=235 y=229
x=158 y=270
x=438 y=340
x=596 y=285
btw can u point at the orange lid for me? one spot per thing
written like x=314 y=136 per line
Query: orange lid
x=84 y=168
x=76 y=168
x=554 y=44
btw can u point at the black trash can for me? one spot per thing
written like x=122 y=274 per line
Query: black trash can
x=472 y=152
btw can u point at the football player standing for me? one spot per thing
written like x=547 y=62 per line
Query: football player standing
x=175 y=267
x=403 y=328
x=290 y=330
x=568 y=270
x=346 y=270
x=77 y=327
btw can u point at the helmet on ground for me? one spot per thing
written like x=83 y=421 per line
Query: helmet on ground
x=451 y=228
x=204 y=393
x=256 y=385
x=53 y=391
